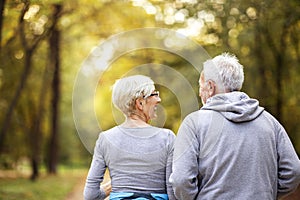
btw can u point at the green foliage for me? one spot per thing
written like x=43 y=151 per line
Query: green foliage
x=263 y=34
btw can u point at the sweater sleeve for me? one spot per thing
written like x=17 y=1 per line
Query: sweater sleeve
x=288 y=164
x=185 y=163
x=92 y=190
x=170 y=191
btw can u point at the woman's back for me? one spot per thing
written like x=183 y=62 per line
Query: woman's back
x=137 y=158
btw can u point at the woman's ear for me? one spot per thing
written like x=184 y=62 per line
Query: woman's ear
x=139 y=104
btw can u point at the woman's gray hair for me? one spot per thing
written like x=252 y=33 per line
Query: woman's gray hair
x=126 y=90
x=226 y=71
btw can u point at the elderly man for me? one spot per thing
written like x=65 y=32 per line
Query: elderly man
x=231 y=148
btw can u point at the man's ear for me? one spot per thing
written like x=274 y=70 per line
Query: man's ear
x=211 y=88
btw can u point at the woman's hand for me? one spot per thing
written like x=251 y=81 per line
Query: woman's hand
x=106 y=187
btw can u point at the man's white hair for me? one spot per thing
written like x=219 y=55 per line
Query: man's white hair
x=226 y=71
x=126 y=90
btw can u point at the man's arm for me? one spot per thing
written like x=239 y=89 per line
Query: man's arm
x=185 y=163
x=170 y=190
x=288 y=164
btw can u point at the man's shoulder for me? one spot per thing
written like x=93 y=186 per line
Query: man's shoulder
x=199 y=118
x=200 y=114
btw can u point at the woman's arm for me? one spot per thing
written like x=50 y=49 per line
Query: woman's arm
x=92 y=189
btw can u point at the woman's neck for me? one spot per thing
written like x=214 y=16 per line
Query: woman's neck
x=135 y=120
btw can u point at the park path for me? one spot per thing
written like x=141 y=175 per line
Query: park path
x=77 y=191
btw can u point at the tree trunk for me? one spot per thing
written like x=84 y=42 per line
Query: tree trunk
x=279 y=78
x=27 y=66
x=2 y=4
x=13 y=104
x=36 y=134
x=54 y=42
x=35 y=168
x=260 y=63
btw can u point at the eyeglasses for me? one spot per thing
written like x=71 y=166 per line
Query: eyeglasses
x=154 y=93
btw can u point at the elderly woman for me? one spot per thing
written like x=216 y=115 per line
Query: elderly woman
x=137 y=155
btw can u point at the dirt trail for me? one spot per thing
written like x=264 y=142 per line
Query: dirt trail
x=77 y=192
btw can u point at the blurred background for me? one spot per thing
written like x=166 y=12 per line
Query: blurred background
x=44 y=43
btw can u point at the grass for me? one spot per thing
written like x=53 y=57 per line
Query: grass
x=47 y=187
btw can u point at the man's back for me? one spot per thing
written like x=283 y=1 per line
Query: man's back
x=242 y=164
x=233 y=149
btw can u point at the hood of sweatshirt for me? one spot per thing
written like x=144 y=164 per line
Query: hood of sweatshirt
x=234 y=106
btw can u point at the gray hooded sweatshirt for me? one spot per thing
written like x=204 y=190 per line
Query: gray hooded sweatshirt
x=233 y=149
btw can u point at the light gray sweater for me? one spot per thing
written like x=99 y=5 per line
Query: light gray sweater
x=233 y=149
x=138 y=159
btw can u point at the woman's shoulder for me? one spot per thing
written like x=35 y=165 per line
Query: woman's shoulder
x=165 y=132
x=108 y=132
